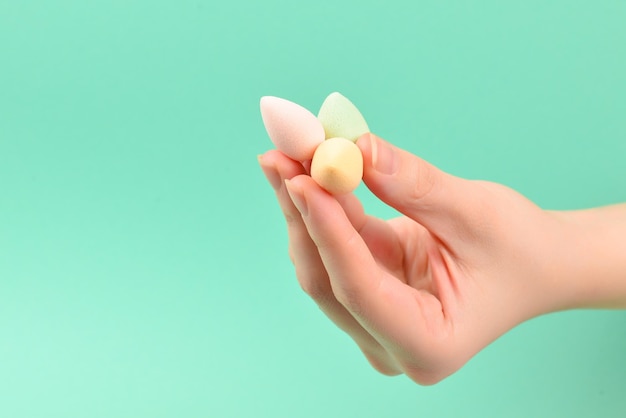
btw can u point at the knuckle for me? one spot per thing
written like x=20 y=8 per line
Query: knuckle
x=313 y=283
x=349 y=298
x=430 y=368
x=381 y=363
x=424 y=182
x=290 y=218
x=315 y=289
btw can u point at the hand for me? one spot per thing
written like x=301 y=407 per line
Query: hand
x=422 y=293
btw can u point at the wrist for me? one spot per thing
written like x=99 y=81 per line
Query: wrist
x=588 y=266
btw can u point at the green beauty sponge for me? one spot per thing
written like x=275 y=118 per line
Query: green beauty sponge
x=341 y=118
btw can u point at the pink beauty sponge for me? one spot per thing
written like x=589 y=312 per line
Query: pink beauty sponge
x=293 y=129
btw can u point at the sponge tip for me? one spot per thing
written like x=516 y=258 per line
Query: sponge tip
x=341 y=118
x=293 y=129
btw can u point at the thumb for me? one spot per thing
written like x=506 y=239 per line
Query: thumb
x=441 y=202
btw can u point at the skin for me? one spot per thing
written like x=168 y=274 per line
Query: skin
x=468 y=260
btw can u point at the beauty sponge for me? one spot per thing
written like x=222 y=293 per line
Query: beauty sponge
x=340 y=118
x=328 y=140
x=337 y=165
x=293 y=129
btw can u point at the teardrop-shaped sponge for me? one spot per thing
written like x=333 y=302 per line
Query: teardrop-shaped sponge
x=293 y=129
x=341 y=118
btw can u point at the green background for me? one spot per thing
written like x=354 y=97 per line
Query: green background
x=143 y=259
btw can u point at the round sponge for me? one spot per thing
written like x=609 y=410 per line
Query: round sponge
x=337 y=165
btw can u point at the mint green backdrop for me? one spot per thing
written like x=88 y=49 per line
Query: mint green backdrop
x=143 y=260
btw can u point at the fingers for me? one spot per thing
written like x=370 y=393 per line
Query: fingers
x=444 y=204
x=388 y=309
x=310 y=270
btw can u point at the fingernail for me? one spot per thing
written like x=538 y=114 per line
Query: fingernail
x=384 y=158
x=270 y=172
x=297 y=197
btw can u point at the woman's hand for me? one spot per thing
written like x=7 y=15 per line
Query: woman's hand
x=422 y=293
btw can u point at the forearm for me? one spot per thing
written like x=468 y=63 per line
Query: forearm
x=592 y=259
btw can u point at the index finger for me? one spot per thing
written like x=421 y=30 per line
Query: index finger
x=389 y=309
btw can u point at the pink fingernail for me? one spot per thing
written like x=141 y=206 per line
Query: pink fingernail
x=270 y=172
x=297 y=197
x=384 y=158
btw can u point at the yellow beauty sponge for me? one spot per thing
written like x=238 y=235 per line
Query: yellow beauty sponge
x=337 y=165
